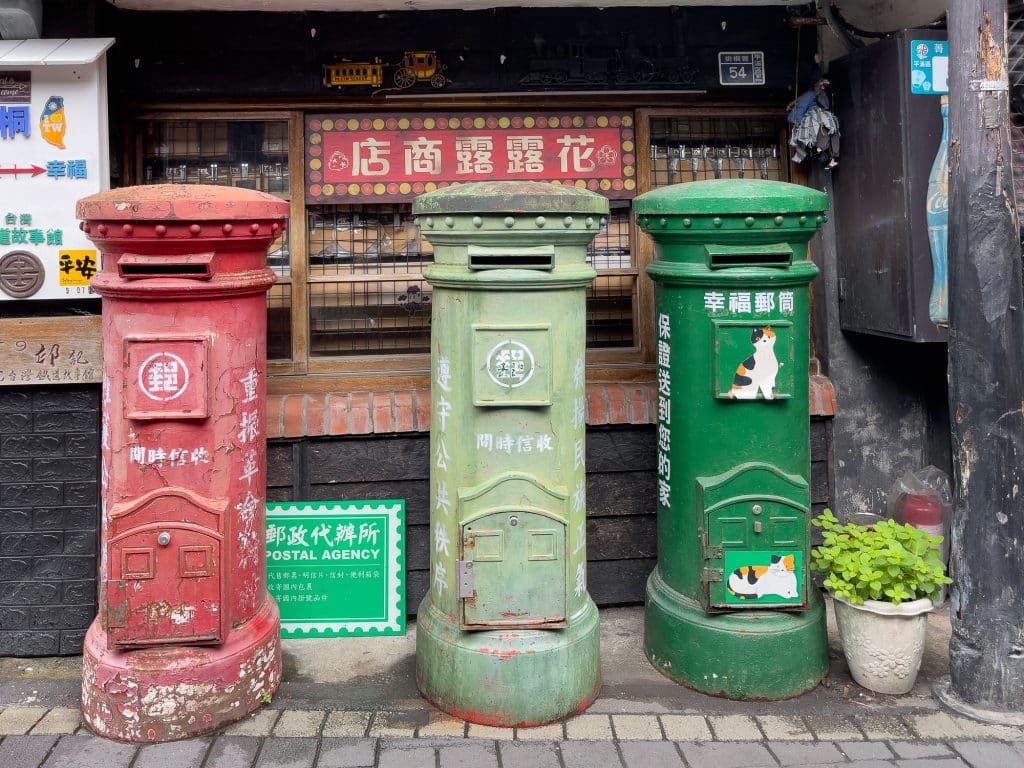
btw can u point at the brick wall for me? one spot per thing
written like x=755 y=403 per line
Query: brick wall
x=49 y=518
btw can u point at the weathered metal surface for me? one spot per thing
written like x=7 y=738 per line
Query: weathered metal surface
x=732 y=282
x=508 y=495
x=186 y=637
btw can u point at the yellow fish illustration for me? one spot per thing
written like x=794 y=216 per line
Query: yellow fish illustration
x=52 y=123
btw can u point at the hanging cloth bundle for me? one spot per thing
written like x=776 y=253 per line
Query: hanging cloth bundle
x=814 y=129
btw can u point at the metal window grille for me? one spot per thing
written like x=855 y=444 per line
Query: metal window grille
x=693 y=149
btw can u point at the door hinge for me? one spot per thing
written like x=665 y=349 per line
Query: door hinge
x=709 y=575
x=464 y=571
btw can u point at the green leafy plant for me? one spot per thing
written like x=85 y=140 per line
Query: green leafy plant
x=888 y=561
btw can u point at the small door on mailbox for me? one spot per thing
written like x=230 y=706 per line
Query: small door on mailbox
x=754 y=537
x=518 y=564
x=164 y=587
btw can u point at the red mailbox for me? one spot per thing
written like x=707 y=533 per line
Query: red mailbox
x=187 y=638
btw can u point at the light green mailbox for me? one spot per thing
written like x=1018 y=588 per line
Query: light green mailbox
x=507 y=634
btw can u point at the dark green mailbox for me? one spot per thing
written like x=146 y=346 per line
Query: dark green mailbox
x=730 y=607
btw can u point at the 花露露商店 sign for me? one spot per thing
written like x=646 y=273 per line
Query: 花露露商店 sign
x=337 y=567
x=395 y=156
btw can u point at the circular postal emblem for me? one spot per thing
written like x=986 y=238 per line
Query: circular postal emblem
x=21 y=274
x=510 y=364
x=163 y=376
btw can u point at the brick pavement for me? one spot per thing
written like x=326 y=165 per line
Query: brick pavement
x=37 y=737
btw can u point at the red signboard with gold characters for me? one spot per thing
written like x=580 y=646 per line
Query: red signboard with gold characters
x=395 y=156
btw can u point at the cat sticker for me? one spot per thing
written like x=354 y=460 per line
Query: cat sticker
x=758 y=371
x=778 y=579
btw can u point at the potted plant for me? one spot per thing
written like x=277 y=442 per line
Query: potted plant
x=883 y=579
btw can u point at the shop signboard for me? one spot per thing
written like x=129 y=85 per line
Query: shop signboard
x=54 y=149
x=337 y=568
x=929 y=67
x=395 y=156
x=50 y=350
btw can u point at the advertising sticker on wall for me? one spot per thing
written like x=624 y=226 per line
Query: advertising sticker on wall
x=53 y=151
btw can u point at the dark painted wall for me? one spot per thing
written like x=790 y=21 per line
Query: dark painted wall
x=892 y=411
x=49 y=518
x=621 y=496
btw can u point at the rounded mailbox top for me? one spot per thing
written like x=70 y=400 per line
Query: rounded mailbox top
x=730 y=197
x=510 y=197
x=180 y=202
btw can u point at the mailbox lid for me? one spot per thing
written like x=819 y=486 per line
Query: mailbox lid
x=180 y=202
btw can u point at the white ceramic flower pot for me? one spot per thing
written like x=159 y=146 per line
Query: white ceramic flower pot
x=883 y=643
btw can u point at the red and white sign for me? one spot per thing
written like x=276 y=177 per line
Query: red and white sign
x=394 y=157
x=167 y=378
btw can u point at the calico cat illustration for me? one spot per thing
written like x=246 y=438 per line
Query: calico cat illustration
x=759 y=370
x=753 y=581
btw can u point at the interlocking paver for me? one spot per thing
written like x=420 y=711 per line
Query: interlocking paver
x=59 y=721
x=987 y=754
x=590 y=754
x=477 y=731
x=443 y=724
x=589 y=728
x=883 y=727
x=519 y=755
x=475 y=754
x=932 y=762
x=180 y=754
x=865 y=750
x=793 y=753
x=650 y=754
x=728 y=755
x=405 y=755
x=89 y=752
x=27 y=751
x=292 y=752
x=636 y=727
x=941 y=726
x=913 y=750
x=232 y=752
x=398 y=724
x=834 y=729
x=15 y=721
x=295 y=723
x=781 y=728
x=734 y=728
x=259 y=723
x=686 y=728
x=350 y=724
x=347 y=753
x=551 y=732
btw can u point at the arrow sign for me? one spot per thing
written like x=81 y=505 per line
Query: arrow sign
x=35 y=170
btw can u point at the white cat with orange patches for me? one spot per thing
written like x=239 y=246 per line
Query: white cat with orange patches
x=758 y=371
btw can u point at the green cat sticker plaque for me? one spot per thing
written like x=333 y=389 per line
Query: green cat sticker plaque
x=337 y=567
x=753 y=361
x=757 y=577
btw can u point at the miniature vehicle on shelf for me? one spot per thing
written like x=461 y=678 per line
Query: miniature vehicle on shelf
x=415 y=67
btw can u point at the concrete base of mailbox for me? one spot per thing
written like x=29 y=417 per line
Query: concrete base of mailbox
x=747 y=655
x=170 y=692
x=516 y=677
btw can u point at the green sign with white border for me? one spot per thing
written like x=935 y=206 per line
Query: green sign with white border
x=337 y=567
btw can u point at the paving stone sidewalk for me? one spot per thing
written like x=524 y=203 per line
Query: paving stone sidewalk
x=354 y=704
x=37 y=737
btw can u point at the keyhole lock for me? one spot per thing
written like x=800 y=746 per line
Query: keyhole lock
x=513 y=520
x=757 y=526
x=163 y=539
